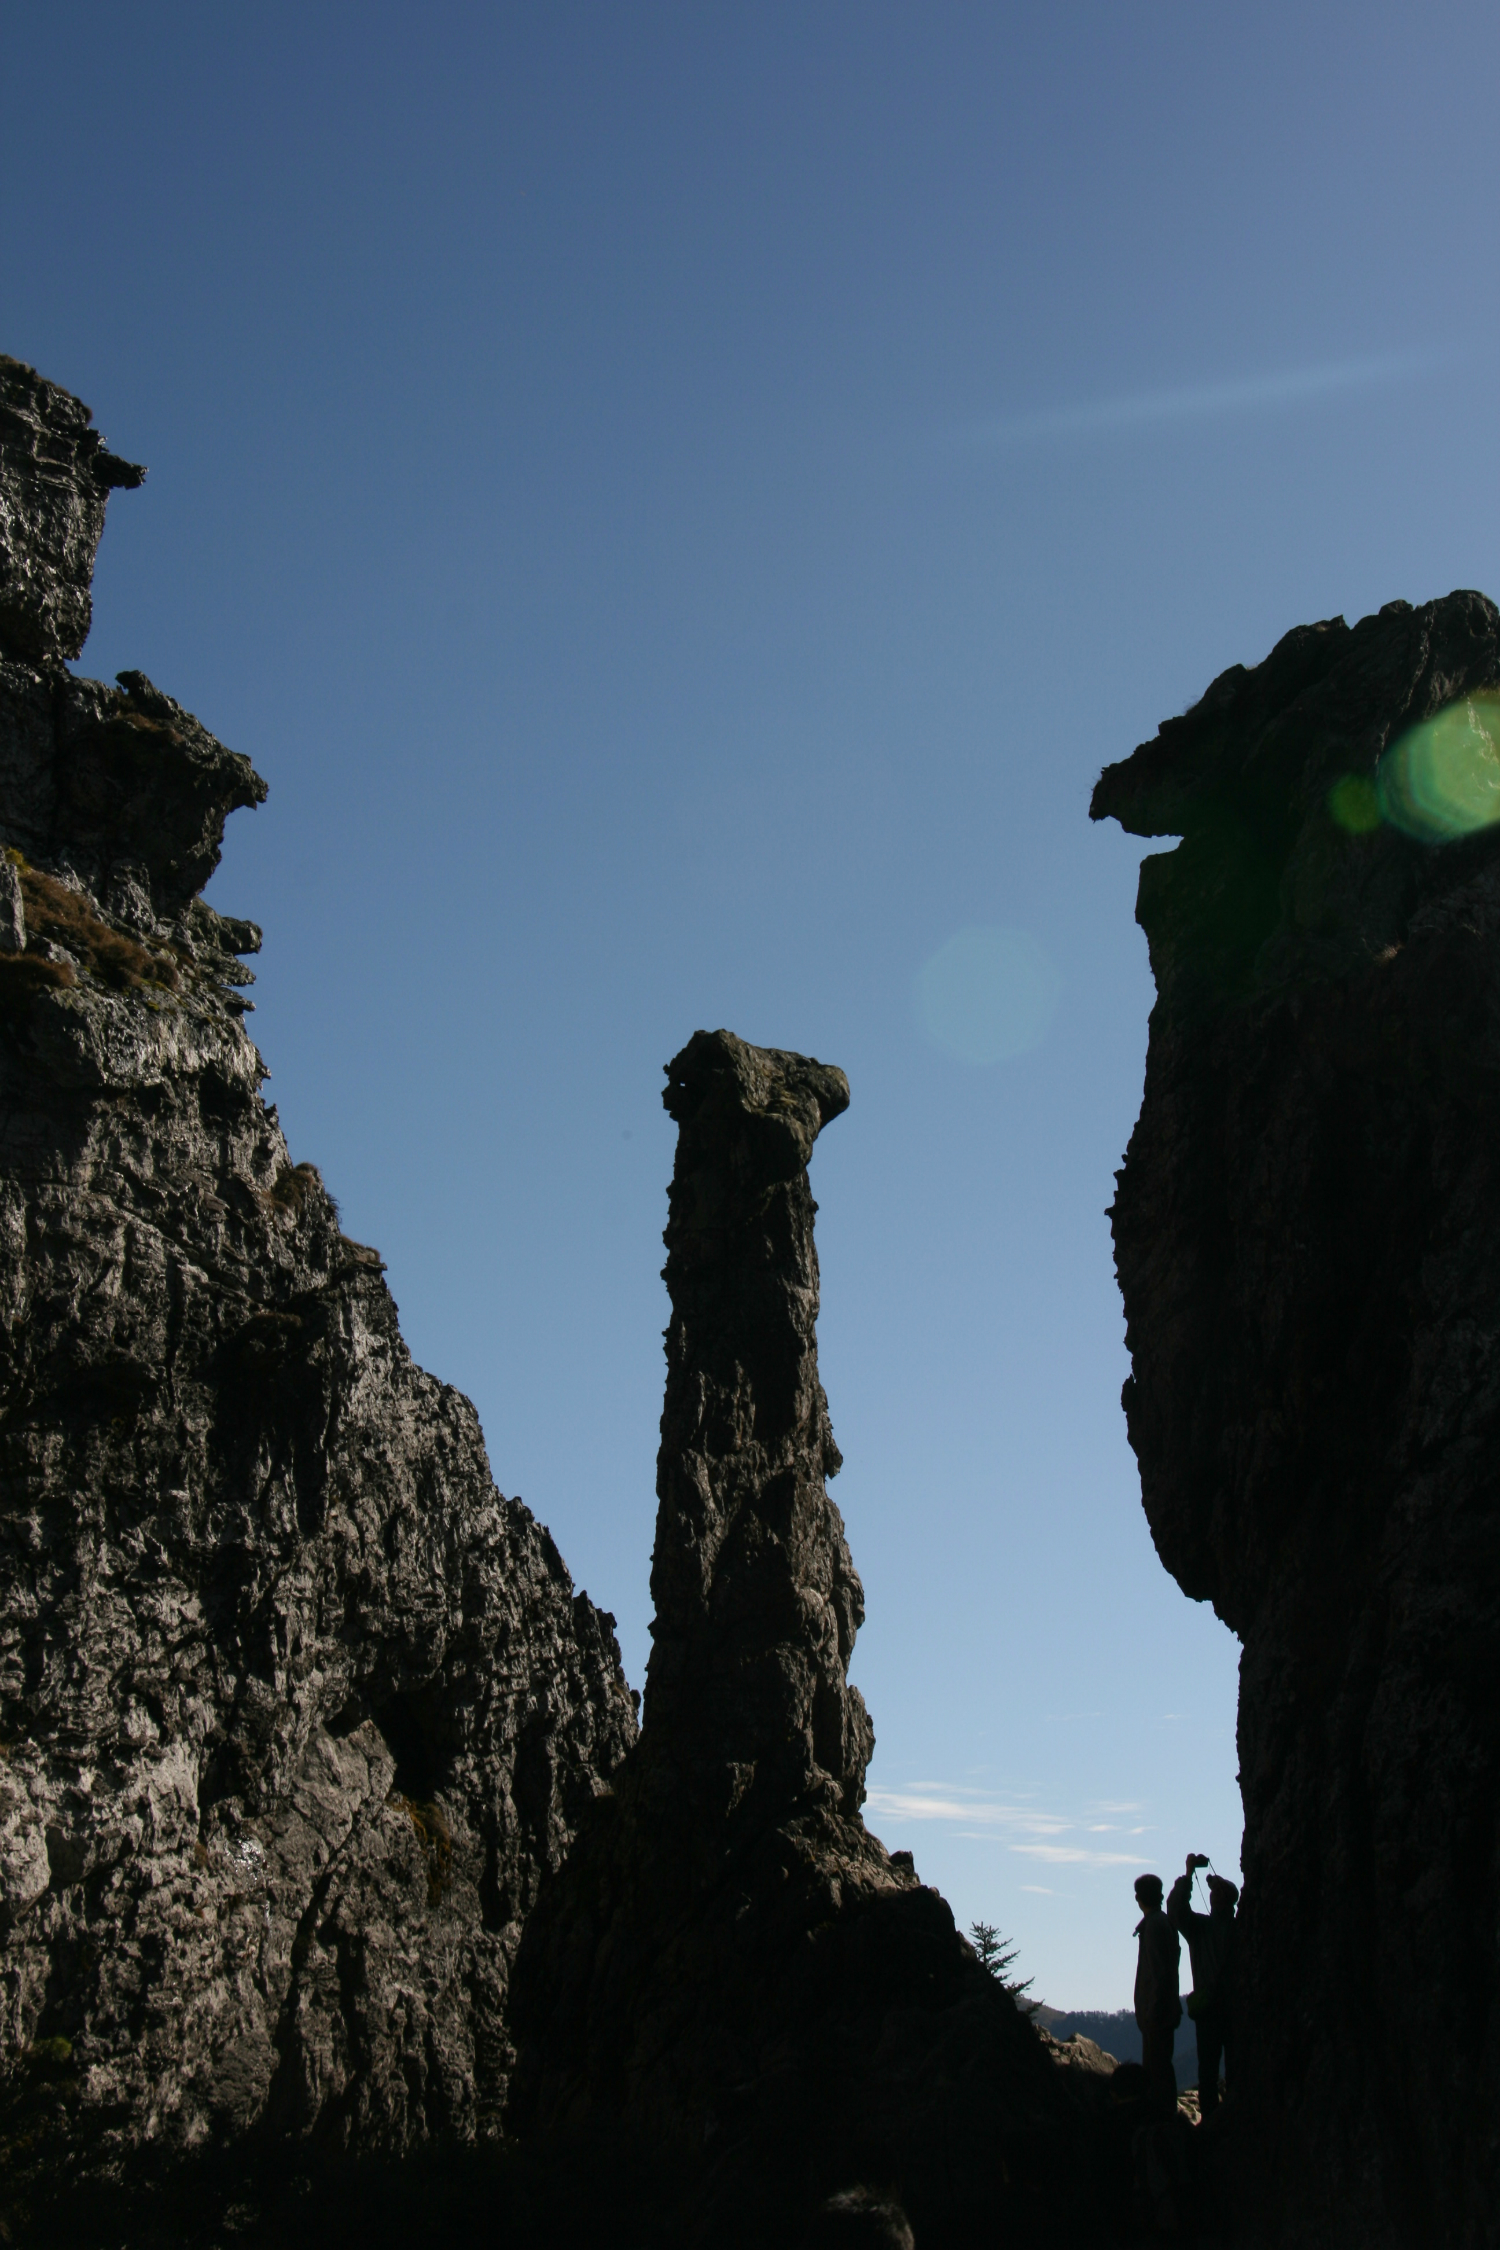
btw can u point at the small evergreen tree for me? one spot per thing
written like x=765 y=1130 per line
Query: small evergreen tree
x=987 y=1943
x=996 y=1956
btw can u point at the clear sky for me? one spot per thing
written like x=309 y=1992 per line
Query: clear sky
x=680 y=502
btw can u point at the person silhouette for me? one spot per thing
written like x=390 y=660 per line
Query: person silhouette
x=1211 y=1947
x=1158 y=2008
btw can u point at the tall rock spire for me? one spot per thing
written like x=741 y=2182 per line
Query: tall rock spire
x=749 y=1707
x=731 y=1980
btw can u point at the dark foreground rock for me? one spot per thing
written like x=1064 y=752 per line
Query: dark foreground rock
x=1308 y=1240
x=295 y=1709
x=731 y=1976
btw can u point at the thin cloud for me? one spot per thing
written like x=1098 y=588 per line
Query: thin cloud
x=974 y=1816
x=928 y=1801
x=1190 y=402
x=1073 y=1855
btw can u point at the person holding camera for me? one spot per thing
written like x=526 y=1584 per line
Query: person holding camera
x=1211 y=1945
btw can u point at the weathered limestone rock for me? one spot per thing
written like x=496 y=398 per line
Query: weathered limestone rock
x=730 y=1973
x=1308 y=1240
x=296 y=1709
x=55 y=476
x=757 y=1600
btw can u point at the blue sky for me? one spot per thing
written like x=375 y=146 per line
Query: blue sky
x=680 y=502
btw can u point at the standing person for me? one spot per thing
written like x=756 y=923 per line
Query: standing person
x=1158 y=2010
x=1211 y=1942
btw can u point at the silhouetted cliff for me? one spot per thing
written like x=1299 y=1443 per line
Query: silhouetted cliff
x=296 y=1709
x=1308 y=1239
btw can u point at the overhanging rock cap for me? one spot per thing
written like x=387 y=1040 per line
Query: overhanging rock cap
x=56 y=474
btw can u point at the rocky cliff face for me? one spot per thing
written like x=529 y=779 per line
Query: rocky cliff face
x=296 y=1709
x=56 y=474
x=1308 y=1240
x=730 y=1972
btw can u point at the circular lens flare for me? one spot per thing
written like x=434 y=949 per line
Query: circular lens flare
x=1354 y=802
x=987 y=995
x=1442 y=779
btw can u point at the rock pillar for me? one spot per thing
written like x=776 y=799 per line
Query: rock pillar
x=750 y=1713
x=731 y=1979
x=1307 y=1233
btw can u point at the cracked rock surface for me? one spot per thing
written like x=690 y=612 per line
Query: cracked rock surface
x=296 y=1710
x=1307 y=1233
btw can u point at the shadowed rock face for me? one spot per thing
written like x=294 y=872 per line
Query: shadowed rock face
x=730 y=1973
x=1307 y=1233
x=296 y=1708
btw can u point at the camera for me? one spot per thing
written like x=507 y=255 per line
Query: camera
x=1197 y=1859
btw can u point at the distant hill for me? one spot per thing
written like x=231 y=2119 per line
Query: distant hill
x=1117 y=2033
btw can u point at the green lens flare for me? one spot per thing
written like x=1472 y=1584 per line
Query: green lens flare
x=1442 y=780
x=1354 y=803
x=987 y=995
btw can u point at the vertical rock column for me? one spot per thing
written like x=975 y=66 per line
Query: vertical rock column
x=731 y=1977
x=654 y=1970
x=1307 y=1233
x=750 y=1713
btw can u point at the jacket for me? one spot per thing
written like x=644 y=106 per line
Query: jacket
x=1210 y=1939
x=1156 y=2001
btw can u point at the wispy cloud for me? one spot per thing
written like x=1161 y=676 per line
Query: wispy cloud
x=1202 y=401
x=1073 y=1855
x=925 y=1800
x=1024 y=1827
